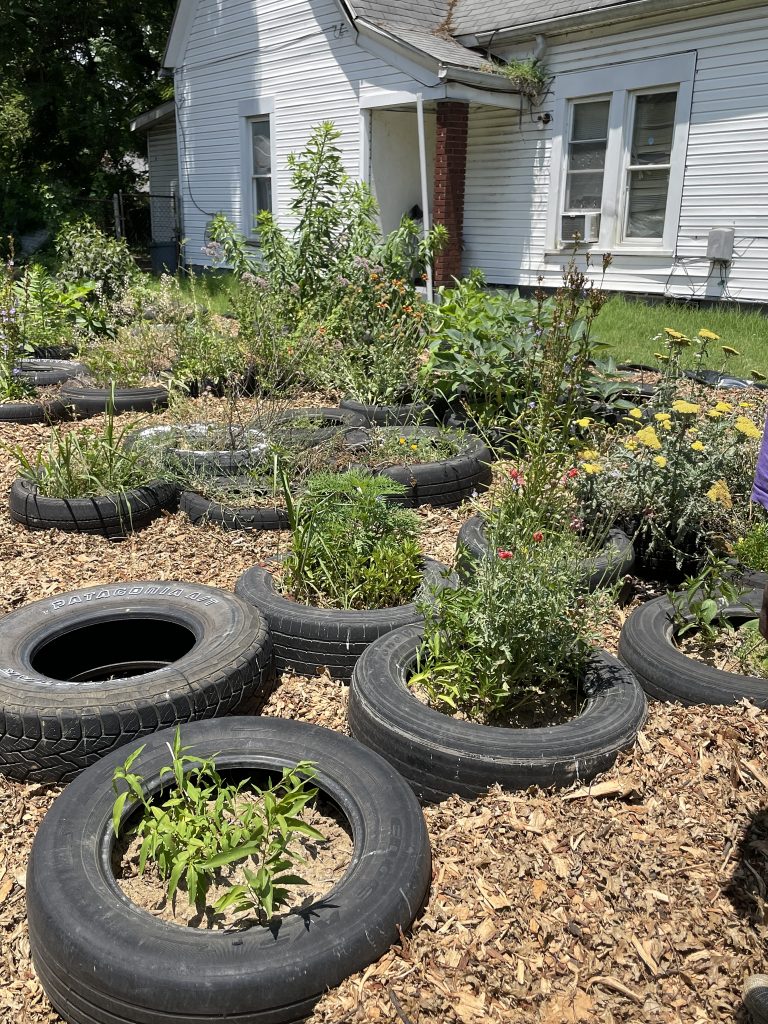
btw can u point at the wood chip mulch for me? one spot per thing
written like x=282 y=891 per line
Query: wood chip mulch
x=639 y=899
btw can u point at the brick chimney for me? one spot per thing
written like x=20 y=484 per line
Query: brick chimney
x=450 y=174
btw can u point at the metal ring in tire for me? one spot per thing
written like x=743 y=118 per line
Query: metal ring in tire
x=213 y=651
x=101 y=958
x=440 y=755
x=646 y=646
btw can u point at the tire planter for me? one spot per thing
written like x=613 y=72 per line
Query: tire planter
x=307 y=639
x=101 y=959
x=392 y=415
x=446 y=483
x=440 y=755
x=90 y=670
x=615 y=559
x=47 y=372
x=232 y=516
x=646 y=646
x=335 y=422
x=209 y=461
x=108 y=516
x=89 y=401
x=32 y=412
x=755 y=996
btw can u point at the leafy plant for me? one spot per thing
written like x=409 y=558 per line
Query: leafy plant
x=204 y=823
x=85 y=463
x=528 y=74
x=346 y=295
x=87 y=254
x=698 y=603
x=507 y=647
x=752 y=549
x=350 y=547
x=752 y=649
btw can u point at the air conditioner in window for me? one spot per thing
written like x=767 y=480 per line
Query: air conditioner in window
x=585 y=225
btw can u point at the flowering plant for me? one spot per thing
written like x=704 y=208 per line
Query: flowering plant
x=679 y=482
x=13 y=387
x=509 y=646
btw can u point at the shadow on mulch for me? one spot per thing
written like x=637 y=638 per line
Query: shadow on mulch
x=748 y=887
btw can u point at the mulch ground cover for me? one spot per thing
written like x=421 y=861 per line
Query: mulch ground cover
x=640 y=898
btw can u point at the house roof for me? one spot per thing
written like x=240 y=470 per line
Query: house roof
x=439 y=28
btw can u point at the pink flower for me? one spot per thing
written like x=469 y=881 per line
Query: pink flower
x=538 y=537
x=504 y=554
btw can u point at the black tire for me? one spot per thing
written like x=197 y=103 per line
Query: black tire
x=137 y=657
x=646 y=646
x=232 y=516
x=447 y=483
x=64 y=352
x=45 y=373
x=615 y=559
x=336 y=420
x=103 y=960
x=207 y=461
x=32 y=412
x=440 y=755
x=89 y=401
x=108 y=516
x=307 y=639
x=755 y=995
x=392 y=415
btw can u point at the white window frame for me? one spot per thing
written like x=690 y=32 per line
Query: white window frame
x=621 y=82
x=248 y=111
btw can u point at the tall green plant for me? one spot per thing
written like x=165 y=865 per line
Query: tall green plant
x=205 y=823
x=350 y=547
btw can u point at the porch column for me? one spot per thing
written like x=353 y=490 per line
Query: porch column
x=450 y=174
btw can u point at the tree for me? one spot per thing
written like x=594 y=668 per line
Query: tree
x=75 y=72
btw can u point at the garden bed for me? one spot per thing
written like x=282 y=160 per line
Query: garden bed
x=642 y=901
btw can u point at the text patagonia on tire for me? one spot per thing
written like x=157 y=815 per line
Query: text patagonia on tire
x=92 y=669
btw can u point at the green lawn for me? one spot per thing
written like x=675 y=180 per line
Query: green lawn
x=207 y=289
x=631 y=328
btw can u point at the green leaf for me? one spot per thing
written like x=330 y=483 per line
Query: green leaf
x=117 y=811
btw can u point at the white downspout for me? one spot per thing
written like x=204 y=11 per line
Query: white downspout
x=540 y=48
x=424 y=185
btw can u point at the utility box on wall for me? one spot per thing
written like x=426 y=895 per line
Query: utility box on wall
x=720 y=245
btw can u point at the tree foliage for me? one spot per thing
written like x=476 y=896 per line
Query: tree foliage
x=75 y=72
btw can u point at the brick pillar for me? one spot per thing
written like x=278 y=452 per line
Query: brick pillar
x=450 y=174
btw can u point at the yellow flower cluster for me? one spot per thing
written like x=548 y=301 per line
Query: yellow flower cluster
x=686 y=408
x=660 y=461
x=746 y=427
x=589 y=455
x=590 y=468
x=720 y=494
x=708 y=335
x=636 y=414
x=648 y=437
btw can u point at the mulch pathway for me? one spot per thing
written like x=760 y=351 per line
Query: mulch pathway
x=641 y=898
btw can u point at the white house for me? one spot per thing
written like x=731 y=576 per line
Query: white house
x=651 y=140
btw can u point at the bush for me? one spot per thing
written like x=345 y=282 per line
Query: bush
x=680 y=483
x=86 y=254
x=349 y=547
x=510 y=646
x=752 y=549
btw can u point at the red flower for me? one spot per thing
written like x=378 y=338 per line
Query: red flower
x=538 y=536
x=504 y=554
x=572 y=474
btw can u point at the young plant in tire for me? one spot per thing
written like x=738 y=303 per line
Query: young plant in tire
x=697 y=605
x=510 y=647
x=204 y=822
x=350 y=546
x=86 y=463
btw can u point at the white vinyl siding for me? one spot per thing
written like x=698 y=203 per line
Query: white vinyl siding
x=162 y=160
x=294 y=59
x=725 y=181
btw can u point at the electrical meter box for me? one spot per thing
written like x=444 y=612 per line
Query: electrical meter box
x=720 y=245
